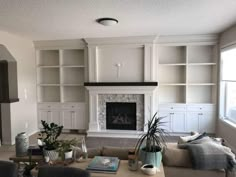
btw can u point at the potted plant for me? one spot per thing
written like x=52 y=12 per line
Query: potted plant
x=29 y=166
x=49 y=136
x=151 y=143
x=65 y=148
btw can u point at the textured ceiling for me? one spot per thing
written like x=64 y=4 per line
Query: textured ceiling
x=66 y=19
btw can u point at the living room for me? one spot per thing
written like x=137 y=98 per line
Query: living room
x=65 y=65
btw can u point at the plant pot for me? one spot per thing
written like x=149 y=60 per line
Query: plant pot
x=68 y=155
x=148 y=169
x=153 y=158
x=52 y=154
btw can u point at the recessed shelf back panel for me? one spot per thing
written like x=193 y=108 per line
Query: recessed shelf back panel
x=200 y=94
x=73 y=57
x=201 y=54
x=73 y=94
x=48 y=58
x=171 y=54
x=72 y=75
x=172 y=94
x=48 y=76
x=200 y=74
x=172 y=74
x=49 y=94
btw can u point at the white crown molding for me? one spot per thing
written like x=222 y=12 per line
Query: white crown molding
x=60 y=44
x=191 y=39
x=121 y=40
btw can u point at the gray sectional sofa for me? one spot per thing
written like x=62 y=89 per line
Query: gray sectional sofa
x=177 y=162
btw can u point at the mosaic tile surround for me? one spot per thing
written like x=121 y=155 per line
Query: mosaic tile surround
x=137 y=98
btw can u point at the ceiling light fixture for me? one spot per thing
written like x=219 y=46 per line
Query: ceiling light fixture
x=107 y=21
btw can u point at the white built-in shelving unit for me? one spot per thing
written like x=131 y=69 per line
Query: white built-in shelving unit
x=188 y=86
x=61 y=73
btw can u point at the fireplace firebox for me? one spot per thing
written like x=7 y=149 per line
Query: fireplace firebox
x=120 y=116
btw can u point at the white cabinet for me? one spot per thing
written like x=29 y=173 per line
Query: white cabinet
x=49 y=116
x=175 y=117
x=71 y=116
x=174 y=121
x=178 y=122
x=201 y=119
x=182 y=118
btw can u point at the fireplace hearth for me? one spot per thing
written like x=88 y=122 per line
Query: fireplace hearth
x=121 y=116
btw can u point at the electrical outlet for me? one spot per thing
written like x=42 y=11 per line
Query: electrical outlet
x=26 y=125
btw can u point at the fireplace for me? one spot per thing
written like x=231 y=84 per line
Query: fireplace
x=121 y=116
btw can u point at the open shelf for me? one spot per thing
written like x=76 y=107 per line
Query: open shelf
x=201 y=94
x=49 y=94
x=72 y=57
x=201 y=54
x=171 y=54
x=200 y=74
x=48 y=76
x=48 y=58
x=73 y=94
x=72 y=76
x=172 y=74
x=172 y=94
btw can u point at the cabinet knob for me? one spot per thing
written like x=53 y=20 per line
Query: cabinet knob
x=171 y=108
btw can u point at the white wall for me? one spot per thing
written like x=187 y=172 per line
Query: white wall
x=24 y=112
x=225 y=130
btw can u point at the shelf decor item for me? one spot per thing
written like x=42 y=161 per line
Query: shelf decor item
x=49 y=136
x=22 y=144
x=151 y=143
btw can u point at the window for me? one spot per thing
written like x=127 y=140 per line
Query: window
x=228 y=84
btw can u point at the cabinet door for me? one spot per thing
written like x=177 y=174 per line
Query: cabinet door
x=49 y=116
x=69 y=119
x=178 y=121
x=207 y=122
x=167 y=120
x=44 y=115
x=55 y=116
x=73 y=119
x=192 y=121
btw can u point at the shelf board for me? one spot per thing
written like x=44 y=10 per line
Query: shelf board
x=73 y=66
x=201 y=84
x=72 y=85
x=172 y=84
x=45 y=85
x=40 y=66
x=172 y=64
x=199 y=64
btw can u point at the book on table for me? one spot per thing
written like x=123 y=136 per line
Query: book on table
x=104 y=164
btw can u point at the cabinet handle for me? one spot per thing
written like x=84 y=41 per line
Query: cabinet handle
x=172 y=113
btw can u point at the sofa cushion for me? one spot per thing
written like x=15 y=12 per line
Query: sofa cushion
x=175 y=157
x=188 y=172
x=120 y=152
x=94 y=152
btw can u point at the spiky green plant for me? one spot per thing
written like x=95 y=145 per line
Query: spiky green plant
x=154 y=139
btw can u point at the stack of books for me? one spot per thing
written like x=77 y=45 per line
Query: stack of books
x=103 y=164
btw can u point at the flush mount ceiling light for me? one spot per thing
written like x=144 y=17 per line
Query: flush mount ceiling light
x=107 y=21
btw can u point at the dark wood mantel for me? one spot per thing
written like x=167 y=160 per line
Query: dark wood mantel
x=121 y=84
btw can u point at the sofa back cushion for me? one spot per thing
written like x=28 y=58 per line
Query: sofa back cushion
x=175 y=157
x=94 y=152
x=120 y=152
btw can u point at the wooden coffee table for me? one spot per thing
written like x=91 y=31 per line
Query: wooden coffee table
x=122 y=171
